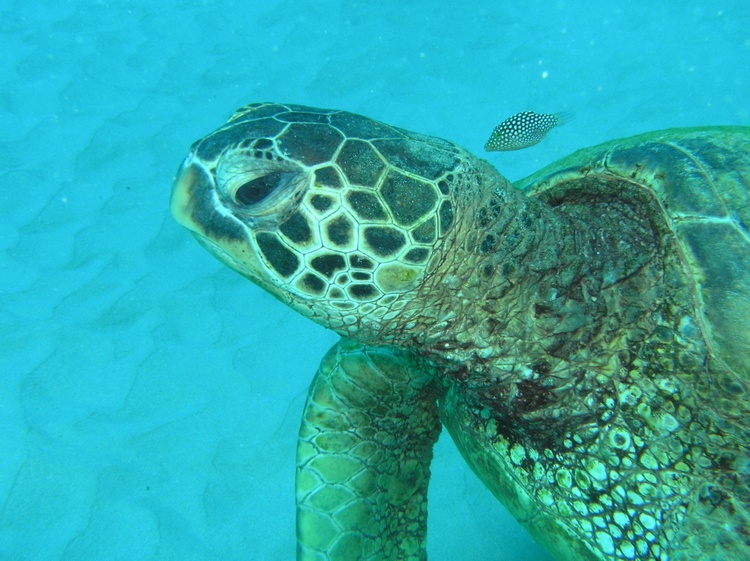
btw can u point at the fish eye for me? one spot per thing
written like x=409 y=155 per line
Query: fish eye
x=255 y=190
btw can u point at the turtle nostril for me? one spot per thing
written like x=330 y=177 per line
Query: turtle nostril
x=258 y=189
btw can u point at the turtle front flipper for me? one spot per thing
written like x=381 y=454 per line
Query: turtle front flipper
x=364 y=455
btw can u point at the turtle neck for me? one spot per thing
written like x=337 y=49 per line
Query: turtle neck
x=519 y=279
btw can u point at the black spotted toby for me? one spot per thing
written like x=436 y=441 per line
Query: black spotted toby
x=523 y=130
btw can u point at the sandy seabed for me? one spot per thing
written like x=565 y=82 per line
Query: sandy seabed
x=150 y=397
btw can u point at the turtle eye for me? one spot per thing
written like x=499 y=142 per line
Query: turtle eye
x=256 y=190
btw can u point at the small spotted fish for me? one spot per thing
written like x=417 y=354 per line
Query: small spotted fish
x=523 y=130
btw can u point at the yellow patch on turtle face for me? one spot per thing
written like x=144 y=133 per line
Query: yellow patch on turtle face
x=395 y=277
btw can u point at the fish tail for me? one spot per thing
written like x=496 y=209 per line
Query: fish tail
x=564 y=117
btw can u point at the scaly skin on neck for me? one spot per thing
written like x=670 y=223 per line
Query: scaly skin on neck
x=518 y=276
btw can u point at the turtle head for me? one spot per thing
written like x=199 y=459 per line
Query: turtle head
x=339 y=216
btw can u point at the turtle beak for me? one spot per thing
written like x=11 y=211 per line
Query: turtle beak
x=194 y=207
x=190 y=181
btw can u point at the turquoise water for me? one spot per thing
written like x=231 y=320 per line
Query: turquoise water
x=149 y=397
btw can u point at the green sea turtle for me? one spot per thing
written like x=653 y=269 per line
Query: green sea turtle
x=583 y=335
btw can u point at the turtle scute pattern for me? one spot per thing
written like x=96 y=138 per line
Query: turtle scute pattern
x=367 y=226
x=704 y=183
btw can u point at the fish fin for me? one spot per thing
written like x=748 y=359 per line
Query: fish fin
x=564 y=117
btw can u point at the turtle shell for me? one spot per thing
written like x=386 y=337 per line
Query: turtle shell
x=700 y=178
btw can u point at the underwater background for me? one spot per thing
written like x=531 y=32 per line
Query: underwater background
x=149 y=396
